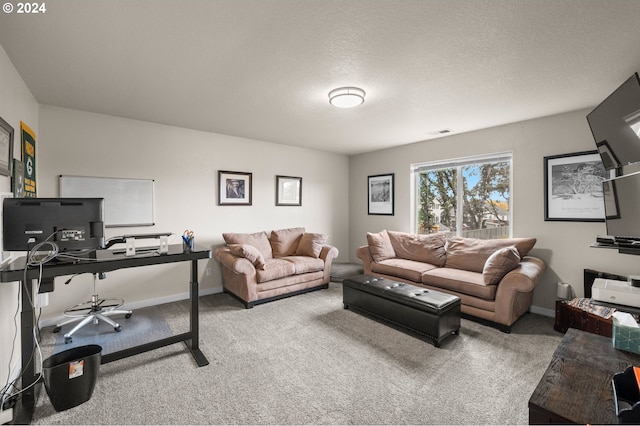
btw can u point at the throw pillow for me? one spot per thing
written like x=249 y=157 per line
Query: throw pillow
x=500 y=263
x=284 y=242
x=248 y=252
x=380 y=246
x=259 y=240
x=470 y=254
x=311 y=245
x=428 y=248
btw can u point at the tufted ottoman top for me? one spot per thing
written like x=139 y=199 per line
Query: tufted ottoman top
x=406 y=294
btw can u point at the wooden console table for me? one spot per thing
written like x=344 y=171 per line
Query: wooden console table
x=576 y=388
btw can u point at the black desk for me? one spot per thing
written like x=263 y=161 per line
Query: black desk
x=105 y=261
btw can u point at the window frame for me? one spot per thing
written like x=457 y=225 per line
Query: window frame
x=458 y=163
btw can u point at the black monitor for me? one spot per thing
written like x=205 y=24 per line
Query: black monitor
x=622 y=206
x=74 y=224
x=615 y=125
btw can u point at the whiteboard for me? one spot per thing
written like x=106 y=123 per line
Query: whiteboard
x=127 y=202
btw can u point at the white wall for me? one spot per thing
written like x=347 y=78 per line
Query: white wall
x=563 y=245
x=184 y=164
x=16 y=104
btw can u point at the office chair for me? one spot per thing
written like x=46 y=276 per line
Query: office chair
x=92 y=312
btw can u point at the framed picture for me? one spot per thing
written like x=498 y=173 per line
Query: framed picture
x=28 y=145
x=6 y=148
x=288 y=191
x=17 y=183
x=573 y=187
x=234 y=188
x=381 y=194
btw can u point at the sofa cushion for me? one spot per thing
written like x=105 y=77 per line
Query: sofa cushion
x=304 y=264
x=288 y=284
x=427 y=248
x=465 y=282
x=499 y=264
x=311 y=244
x=274 y=269
x=259 y=240
x=471 y=253
x=380 y=246
x=403 y=268
x=284 y=242
x=249 y=252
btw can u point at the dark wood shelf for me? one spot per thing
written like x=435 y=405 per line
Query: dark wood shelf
x=576 y=388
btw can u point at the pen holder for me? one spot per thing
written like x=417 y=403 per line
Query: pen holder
x=187 y=245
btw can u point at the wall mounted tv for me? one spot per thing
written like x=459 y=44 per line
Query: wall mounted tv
x=74 y=224
x=615 y=125
x=622 y=206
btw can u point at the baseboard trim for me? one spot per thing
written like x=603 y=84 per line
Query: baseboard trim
x=182 y=296
x=543 y=311
x=143 y=303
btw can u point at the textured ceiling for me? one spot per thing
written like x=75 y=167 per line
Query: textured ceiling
x=262 y=69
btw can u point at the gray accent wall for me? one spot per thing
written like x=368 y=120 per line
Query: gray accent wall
x=564 y=246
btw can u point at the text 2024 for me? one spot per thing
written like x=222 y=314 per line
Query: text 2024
x=31 y=7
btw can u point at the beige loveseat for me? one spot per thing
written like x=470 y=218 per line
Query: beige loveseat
x=493 y=278
x=257 y=268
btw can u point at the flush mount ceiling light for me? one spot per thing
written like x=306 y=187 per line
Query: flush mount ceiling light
x=346 y=97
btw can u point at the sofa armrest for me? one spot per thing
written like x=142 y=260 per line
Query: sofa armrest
x=328 y=253
x=237 y=264
x=364 y=254
x=525 y=276
x=515 y=291
x=238 y=274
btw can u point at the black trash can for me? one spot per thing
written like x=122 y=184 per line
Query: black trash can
x=70 y=376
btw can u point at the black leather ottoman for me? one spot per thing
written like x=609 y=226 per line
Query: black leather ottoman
x=430 y=313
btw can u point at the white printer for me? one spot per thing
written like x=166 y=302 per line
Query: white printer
x=618 y=292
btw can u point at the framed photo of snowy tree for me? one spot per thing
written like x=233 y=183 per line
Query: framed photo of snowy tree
x=573 y=187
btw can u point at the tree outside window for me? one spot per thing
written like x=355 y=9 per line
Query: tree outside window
x=470 y=199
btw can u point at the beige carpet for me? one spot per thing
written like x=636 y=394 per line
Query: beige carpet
x=340 y=271
x=306 y=360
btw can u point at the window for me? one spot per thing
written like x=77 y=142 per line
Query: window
x=467 y=197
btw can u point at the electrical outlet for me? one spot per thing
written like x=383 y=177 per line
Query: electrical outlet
x=208 y=272
x=6 y=416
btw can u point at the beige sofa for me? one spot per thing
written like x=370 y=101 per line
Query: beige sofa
x=493 y=278
x=257 y=268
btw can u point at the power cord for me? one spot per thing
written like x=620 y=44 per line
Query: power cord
x=37 y=258
x=35 y=356
x=34 y=258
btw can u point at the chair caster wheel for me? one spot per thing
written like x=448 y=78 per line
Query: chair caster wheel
x=118 y=329
x=56 y=329
x=68 y=340
x=127 y=316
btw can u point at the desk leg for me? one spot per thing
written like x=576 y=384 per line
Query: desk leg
x=27 y=322
x=194 y=345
